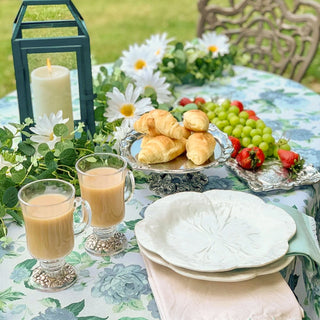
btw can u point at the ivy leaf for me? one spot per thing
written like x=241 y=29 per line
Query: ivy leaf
x=62 y=145
x=26 y=148
x=43 y=148
x=60 y=130
x=18 y=176
x=2 y=210
x=6 y=137
x=48 y=158
x=98 y=113
x=16 y=215
x=10 y=197
x=47 y=173
x=68 y=157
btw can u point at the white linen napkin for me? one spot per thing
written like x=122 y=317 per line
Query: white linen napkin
x=180 y=298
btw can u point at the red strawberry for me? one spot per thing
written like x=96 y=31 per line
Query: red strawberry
x=250 y=158
x=291 y=161
x=199 y=101
x=184 y=101
x=254 y=118
x=250 y=112
x=237 y=104
x=236 y=146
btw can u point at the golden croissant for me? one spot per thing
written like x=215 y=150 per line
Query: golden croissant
x=158 y=122
x=200 y=147
x=161 y=149
x=196 y=120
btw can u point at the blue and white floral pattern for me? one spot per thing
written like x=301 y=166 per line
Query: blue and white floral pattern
x=117 y=287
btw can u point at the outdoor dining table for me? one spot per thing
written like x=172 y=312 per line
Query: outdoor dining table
x=117 y=287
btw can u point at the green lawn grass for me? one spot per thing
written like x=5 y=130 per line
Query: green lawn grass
x=113 y=25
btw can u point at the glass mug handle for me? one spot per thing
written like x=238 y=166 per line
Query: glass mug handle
x=129 y=186
x=81 y=215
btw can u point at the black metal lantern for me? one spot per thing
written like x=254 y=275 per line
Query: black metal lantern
x=68 y=37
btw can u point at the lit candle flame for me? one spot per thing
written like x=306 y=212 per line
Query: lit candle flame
x=49 y=65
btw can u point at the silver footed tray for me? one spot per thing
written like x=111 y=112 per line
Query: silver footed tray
x=131 y=145
x=272 y=176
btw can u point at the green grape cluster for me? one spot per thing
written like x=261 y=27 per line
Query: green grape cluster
x=250 y=130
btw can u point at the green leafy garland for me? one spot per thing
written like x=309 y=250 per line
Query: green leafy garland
x=32 y=162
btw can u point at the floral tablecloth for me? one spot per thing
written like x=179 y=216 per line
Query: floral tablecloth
x=117 y=287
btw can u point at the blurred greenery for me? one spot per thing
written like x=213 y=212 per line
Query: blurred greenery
x=114 y=25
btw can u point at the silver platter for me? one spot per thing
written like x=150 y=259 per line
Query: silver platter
x=131 y=145
x=272 y=176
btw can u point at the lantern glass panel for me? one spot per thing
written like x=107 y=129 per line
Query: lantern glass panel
x=47 y=12
x=53 y=30
x=64 y=59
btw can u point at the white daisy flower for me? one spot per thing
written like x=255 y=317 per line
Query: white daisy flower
x=138 y=58
x=119 y=134
x=126 y=105
x=148 y=79
x=214 y=43
x=44 y=129
x=158 y=44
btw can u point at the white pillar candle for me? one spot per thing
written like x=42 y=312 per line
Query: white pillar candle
x=52 y=92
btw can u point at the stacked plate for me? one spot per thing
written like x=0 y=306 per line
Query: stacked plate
x=217 y=235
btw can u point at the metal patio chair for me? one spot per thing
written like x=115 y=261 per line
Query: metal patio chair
x=274 y=36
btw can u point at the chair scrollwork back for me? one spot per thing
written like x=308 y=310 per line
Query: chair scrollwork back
x=275 y=36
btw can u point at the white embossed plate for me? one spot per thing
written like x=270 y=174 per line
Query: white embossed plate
x=227 y=276
x=199 y=232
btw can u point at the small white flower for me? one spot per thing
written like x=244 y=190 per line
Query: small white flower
x=158 y=44
x=138 y=58
x=100 y=138
x=148 y=79
x=4 y=163
x=44 y=129
x=126 y=105
x=119 y=134
x=214 y=43
x=80 y=127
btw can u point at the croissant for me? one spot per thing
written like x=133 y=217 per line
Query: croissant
x=196 y=120
x=185 y=132
x=161 y=149
x=200 y=147
x=158 y=122
x=144 y=123
x=145 y=140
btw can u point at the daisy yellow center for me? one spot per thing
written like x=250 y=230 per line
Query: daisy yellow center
x=51 y=137
x=213 y=48
x=158 y=52
x=127 y=110
x=140 y=64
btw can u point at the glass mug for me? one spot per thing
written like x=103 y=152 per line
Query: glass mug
x=48 y=208
x=106 y=183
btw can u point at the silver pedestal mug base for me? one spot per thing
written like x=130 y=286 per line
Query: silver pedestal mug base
x=52 y=276
x=105 y=242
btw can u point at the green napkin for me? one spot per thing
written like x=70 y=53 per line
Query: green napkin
x=304 y=242
x=305 y=245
